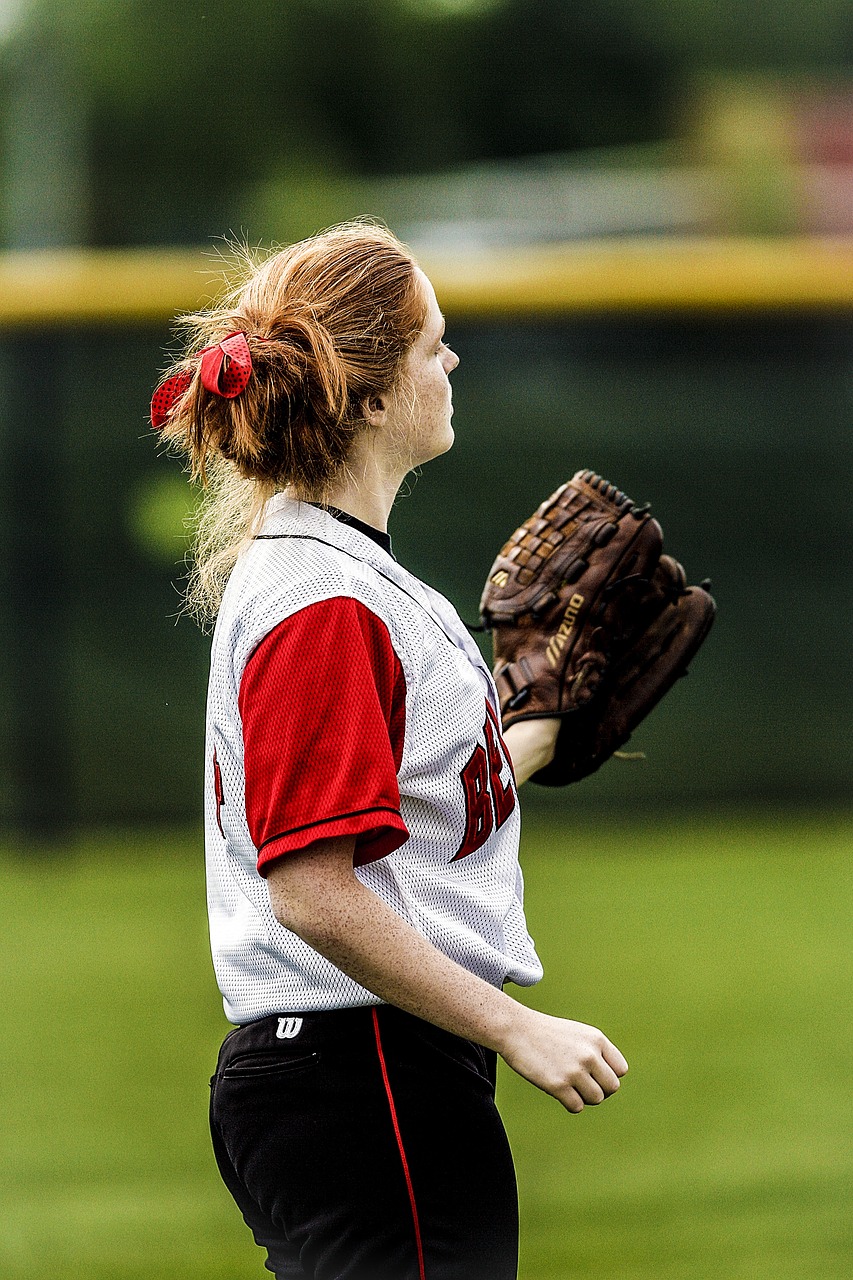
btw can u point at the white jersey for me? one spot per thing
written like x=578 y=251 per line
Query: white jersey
x=347 y=698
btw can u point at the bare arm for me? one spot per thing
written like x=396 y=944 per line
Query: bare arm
x=316 y=894
x=531 y=744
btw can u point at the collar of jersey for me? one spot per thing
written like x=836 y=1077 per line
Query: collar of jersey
x=378 y=536
x=286 y=516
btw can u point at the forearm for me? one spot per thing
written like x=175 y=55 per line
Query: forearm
x=351 y=926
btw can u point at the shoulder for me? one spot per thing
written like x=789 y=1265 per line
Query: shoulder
x=338 y=634
x=302 y=558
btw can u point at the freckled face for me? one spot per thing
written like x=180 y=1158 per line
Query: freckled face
x=423 y=403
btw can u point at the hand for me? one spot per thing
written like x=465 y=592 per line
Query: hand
x=573 y=1062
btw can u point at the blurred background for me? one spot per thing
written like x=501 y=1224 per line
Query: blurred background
x=638 y=215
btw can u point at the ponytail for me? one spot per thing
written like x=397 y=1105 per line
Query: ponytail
x=327 y=324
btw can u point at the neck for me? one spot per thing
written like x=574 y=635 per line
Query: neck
x=366 y=489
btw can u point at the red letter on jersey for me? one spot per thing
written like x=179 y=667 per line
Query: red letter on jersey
x=481 y=780
x=478 y=804
x=219 y=794
x=503 y=796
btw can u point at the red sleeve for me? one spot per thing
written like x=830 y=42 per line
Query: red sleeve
x=323 y=705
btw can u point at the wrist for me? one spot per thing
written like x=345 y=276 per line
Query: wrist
x=509 y=1027
x=532 y=744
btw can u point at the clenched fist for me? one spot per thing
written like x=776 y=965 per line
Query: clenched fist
x=573 y=1062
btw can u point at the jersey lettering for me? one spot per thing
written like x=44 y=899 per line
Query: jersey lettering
x=488 y=803
x=502 y=796
x=218 y=792
x=478 y=804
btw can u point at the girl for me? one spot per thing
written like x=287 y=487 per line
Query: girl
x=362 y=816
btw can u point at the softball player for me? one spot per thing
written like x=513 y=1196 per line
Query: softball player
x=362 y=816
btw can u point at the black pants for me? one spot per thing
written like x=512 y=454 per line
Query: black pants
x=367 y=1146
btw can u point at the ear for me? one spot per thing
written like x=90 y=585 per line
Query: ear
x=375 y=410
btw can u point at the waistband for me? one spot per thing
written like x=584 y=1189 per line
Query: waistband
x=354 y=1031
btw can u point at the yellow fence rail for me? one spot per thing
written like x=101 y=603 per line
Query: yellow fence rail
x=73 y=287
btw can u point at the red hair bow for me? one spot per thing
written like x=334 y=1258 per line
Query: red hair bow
x=217 y=376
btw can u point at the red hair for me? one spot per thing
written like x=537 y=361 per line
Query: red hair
x=328 y=322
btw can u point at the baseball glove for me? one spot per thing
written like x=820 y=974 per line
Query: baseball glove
x=590 y=622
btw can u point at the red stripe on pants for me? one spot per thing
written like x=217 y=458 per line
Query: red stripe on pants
x=400 y=1147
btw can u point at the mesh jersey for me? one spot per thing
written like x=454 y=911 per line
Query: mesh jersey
x=438 y=842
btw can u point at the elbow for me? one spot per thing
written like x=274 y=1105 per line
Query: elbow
x=285 y=912
x=311 y=890
x=319 y=923
x=313 y=914
x=295 y=911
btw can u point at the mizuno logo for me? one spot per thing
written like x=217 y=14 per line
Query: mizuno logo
x=557 y=643
x=288 y=1028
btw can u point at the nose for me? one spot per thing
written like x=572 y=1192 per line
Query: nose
x=452 y=361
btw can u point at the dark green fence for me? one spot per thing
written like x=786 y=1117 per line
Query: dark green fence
x=737 y=430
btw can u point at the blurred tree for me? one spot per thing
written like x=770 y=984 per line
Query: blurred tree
x=544 y=76
x=735 y=35
x=187 y=104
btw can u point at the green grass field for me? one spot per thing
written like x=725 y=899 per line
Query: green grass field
x=717 y=957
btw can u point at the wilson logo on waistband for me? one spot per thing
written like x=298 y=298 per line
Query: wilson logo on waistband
x=288 y=1028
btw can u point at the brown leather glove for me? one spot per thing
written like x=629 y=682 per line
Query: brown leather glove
x=590 y=622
